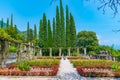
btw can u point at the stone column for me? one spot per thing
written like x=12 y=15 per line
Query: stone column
x=50 y=53
x=4 y=50
x=27 y=51
x=69 y=52
x=60 y=51
x=40 y=51
x=78 y=52
x=18 y=53
x=85 y=51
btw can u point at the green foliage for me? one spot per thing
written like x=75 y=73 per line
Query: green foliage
x=35 y=32
x=31 y=35
x=62 y=26
x=13 y=49
x=72 y=31
x=49 y=39
x=28 y=32
x=41 y=42
x=68 y=40
x=94 y=62
x=74 y=54
x=44 y=36
x=24 y=66
x=4 y=34
x=115 y=67
x=58 y=32
x=43 y=62
x=54 y=33
x=87 y=39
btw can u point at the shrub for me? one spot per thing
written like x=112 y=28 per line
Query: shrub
x=12 y=49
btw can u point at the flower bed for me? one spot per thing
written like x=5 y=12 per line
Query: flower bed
x=48 y=57
x=97 y=68
x=32 y=68
x=75 y=57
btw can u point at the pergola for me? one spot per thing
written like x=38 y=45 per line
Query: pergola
x=27 y=48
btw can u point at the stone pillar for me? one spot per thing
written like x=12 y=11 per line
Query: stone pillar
x=4 y=50
x=50 y=53
x=40 y=51
x=85 y=51
x=60 y=51
x=114 y=59
x=69 y=52
x=27 y=51
x=18 y=53
x=78 y=52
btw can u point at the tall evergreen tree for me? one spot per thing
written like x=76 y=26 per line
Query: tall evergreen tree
x=35 y=32
x=49 y=40
x=11 y=22
x=58 y=32
x=7 y=23
x=44 y=30
x=73 y=31
x=62 y=26
x=2 y=23
x=41 y=34
x=54 y=33
x=14 y=32
x=28 y=32
x=68 y=42
x=30 y=35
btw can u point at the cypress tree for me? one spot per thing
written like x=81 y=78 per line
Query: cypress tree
x=58 y=34
x=54 y=33
x=73 y=31
x=11 y=22
x=49 y=40
x=35 y=32
x=28 y=32
x=67 y=28
x=44 y=30
x=41 y=34
x=2 y=23
x=7 y=23
x=62 y=25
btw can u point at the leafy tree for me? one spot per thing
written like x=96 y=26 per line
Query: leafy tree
x=62 y=25
x=49 y=39
x=58 y=32
x=73 y=31
x=87 y=39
